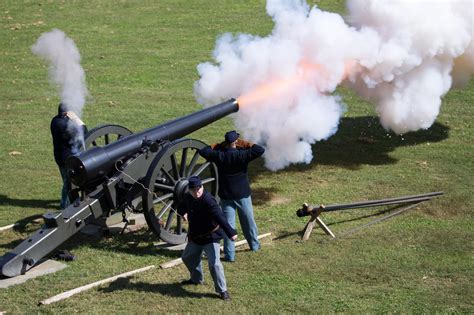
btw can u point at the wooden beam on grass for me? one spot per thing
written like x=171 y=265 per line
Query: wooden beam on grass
x=179 y=261
x=72 y=292
x=7 y=227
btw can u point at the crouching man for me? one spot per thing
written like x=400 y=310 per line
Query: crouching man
x=207 y=225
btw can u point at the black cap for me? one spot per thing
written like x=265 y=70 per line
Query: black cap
x=231 y=136
x=62 y=108
x=194 y=181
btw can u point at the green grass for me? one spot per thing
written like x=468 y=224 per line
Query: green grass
x=140 y=60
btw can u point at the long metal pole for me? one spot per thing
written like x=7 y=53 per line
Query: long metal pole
x=364 y=204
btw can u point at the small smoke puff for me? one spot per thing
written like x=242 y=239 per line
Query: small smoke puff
x=65 y=70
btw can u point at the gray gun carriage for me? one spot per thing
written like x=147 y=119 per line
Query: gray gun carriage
x=121 y=172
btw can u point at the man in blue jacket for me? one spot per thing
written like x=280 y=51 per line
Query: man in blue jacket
x=68 y=131
x=207 y=225
x=232 y=158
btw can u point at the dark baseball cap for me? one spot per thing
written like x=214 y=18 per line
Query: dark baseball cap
x=194 y=181
x=231 y=136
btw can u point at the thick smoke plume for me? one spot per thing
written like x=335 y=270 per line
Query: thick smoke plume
x=65 y=70
x=66 y=73
x=401 y=55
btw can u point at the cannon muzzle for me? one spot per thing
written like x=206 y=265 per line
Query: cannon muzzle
x=97 y=162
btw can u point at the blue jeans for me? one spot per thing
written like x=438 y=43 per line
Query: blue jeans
x=66 y=188
x=192 y=256
x=247 y=222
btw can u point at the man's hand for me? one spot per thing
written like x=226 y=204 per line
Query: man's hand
x=233 y=238
x=74 y=117
x=243 y=144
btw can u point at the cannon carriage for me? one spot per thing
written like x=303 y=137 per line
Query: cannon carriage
x=121 y=172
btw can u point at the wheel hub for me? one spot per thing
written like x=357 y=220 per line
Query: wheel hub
x=180 y=190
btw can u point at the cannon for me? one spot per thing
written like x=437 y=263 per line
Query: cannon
x=121 y=172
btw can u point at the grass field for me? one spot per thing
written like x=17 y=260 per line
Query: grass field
x=140 y=61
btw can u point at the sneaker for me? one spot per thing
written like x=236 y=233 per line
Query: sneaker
x=189 y=282
x=228 y=259
x=225 y=296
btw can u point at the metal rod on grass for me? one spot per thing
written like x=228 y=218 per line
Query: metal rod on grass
x=310 y=210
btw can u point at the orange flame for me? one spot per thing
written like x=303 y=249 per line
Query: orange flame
x=277 y=86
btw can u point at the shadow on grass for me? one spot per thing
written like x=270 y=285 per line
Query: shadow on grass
x=23 y=225
x=300 y=233
x=358 y=141
x=169 y=289
x=263 y=196
x=138 y=243
x=362 y=140
x=286 y=234
x=382 y=211
x=29 y=203
x=28 y=225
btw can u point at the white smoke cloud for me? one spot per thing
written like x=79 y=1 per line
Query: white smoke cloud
x=401 y=55
x=419 y=42
x=65 y=69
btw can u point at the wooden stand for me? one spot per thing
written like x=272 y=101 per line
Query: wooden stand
x=315 y=219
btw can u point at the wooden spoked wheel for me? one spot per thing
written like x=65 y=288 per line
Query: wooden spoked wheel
x=105 y=134
x=166 y=182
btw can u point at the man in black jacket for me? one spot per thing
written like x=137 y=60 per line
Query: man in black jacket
x=68 y=131
x=207 y=225
x=232 y=158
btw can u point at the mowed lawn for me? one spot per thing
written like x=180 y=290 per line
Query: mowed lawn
x=140 y=61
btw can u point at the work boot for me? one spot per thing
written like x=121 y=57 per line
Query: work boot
x=63 y=254
x=225 y=296
x=189 y=282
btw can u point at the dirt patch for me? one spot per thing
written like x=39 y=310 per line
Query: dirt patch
x=278 y=200
x=260 y=196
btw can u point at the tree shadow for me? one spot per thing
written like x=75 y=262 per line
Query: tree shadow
x=29 y=203
x=169 y=289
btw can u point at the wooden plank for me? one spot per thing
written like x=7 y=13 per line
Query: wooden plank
x=324 y=227
x=309 y=228
x=7 y=227
x=243 y=242
x=171 y=263
x=176 y=247
x=72 y=292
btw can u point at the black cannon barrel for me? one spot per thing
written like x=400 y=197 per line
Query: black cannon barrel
x=97 y=162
